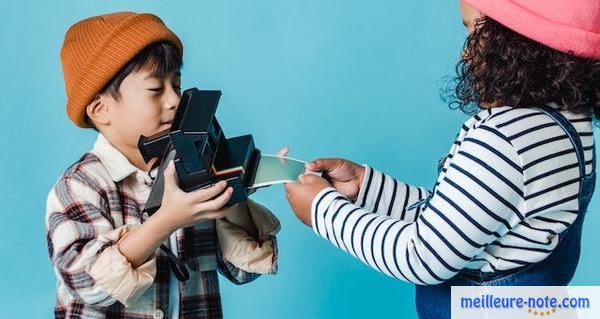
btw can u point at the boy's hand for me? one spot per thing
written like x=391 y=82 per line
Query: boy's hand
x=300 y=195
x=181 y=209
x=344 y=175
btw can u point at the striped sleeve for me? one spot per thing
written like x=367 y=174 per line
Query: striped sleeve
x=472 y=206
x=385 y=195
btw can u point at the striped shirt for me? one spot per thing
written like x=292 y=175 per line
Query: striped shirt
x=505 y=192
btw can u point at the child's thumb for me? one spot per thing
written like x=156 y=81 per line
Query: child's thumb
x=169 y=176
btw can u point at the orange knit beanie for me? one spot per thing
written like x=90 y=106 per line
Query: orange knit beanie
x=95 y=49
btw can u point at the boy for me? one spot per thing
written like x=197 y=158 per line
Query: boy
x=122 y=77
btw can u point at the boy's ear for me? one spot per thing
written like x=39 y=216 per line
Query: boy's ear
x=97 y=111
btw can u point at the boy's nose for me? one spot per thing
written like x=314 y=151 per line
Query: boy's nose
x=172 y=99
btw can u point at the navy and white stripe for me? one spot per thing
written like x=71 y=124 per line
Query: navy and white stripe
x=506 y=191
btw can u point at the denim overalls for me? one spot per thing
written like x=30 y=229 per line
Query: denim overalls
x=556 y=270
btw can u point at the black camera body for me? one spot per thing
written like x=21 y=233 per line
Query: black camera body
x=200 y=151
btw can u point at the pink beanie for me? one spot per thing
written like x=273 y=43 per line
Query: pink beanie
x=564 y=25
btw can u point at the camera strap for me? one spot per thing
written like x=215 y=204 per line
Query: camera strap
x=176 y=264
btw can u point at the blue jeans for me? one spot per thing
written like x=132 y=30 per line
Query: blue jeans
x=556 y=270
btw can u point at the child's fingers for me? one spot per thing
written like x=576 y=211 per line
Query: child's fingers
x=292 y=188
x=288 y=187
x=309 y=178
x=322 y=165
x=219 y=213
x=283 y=151
x=215 y=214
x=205 y=194
x=216 y=203
x=169 y=176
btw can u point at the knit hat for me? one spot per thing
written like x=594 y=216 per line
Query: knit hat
x=95 y=49
x=564 y=25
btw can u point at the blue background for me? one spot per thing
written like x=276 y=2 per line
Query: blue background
x=354 y=79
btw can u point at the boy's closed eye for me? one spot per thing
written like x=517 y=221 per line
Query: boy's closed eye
x=177 y=88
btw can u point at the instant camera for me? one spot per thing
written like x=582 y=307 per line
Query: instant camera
x=200 y=151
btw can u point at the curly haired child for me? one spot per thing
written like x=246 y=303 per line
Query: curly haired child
x=510 y=198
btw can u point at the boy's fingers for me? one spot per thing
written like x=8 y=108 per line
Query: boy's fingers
x=169 y=176
x=216 y=214
x=283 y=151
x=221 y=213
x=216 y=203
x=205 y=194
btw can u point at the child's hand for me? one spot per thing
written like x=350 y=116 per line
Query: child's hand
x=181 y=209
x=301 y=195
x=344 y=175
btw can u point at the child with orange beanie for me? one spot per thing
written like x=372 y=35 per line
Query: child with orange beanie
x=122 y=78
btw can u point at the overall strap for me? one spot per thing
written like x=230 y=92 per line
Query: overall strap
x=566 y=125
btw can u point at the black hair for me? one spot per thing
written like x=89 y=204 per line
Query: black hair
x=159 y=58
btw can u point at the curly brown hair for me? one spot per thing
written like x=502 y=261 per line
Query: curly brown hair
x=502 y=67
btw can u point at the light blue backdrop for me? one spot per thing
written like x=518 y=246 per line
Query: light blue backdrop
x=357 y=79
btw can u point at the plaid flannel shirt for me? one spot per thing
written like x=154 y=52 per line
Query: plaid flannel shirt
x=96 y=197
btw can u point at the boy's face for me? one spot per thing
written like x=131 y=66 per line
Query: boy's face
x=146 y=106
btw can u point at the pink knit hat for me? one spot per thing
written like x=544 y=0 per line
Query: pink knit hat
x=564 y=25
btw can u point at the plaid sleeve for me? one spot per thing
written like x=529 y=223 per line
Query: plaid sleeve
x=242 y=258
x=77 y=215
x=233 y=273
